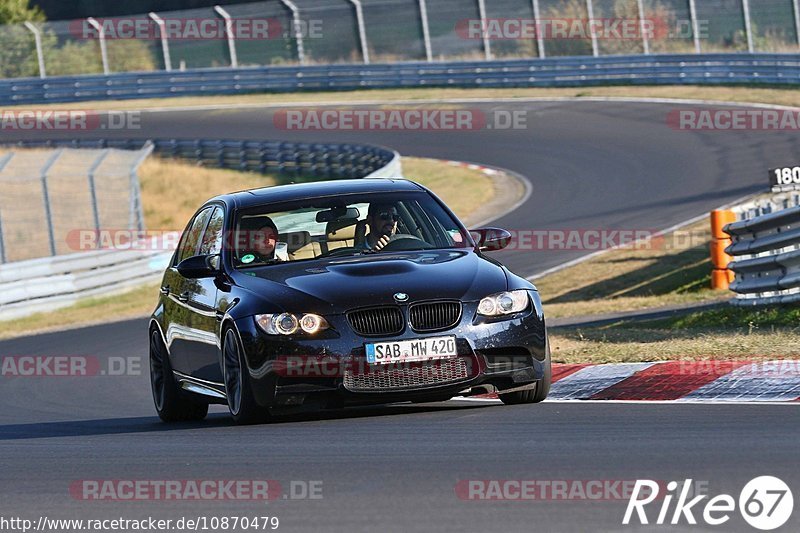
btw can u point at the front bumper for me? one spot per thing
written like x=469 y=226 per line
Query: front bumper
x=330 y=369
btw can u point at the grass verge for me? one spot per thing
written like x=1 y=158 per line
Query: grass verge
x=768 y=95
x=672 y=270
x=726 y=333
x=173 y=190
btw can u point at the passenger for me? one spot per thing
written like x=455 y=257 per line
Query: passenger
x=258 y=239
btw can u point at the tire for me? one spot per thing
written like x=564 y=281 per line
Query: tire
x=534 y=395
x=171 y=404
x=241 y=402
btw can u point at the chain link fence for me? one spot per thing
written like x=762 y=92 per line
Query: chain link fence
x=49 y=195
x=353 y=31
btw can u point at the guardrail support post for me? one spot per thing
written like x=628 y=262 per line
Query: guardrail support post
x=487 y=44
x=748 y=27
x=162 y=29
x=426 y=33
x=298 y=30
x=101 y=37
x=590 y=12
x=136 y=217
x=228 y=34
x=3 y=162
x=46 y=195
x=93 y=190
x=796 y=4
x=695 y=25
x=362 y=31
x=537 y=17
x=643 y=28
x=721 y=276
x=37 y=37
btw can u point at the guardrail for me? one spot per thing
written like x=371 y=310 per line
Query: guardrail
x=28 y=287
x=714 y=69
x=766 y=248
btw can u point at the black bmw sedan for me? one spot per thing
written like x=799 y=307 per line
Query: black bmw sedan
x=347 y=292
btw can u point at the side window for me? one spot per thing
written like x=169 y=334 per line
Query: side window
x=191 y=236
x=212 y=238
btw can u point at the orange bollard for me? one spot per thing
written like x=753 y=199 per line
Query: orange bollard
x=721 y=279
x=719 y=258
x=721 y=276
x=719 y=219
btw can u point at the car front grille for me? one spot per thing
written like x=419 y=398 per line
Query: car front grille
x=377 y=321
x=378 y=378
x=434 y=315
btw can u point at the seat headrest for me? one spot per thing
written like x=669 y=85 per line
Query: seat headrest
x=341 y=230
x=295 y=239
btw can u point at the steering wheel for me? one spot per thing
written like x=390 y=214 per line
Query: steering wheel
x=403 y=241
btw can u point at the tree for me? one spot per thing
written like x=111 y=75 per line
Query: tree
x=18 y=11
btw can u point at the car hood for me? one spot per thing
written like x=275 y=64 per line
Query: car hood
x=336 y=285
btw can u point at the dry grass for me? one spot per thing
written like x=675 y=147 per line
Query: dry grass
x=173 y=190
x=621 y=345
x=769 y=95
x=672 y=270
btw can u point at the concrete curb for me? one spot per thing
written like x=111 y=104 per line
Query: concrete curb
x=678 y=381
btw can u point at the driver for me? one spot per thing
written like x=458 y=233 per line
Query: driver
x=382 y=223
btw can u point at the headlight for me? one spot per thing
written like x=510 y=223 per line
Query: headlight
x=288 y=324
x=504 y=303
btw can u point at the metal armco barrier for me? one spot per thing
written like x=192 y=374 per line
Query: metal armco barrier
x=683 y=69
x=45 y=284
x=320 y=160
x=766 y=249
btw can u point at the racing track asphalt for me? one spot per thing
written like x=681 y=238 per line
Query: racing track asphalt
x=592 y=165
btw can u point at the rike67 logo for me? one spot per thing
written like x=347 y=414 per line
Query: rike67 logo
x=766 y=503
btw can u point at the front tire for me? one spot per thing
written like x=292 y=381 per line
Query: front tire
x=534 y=395
x=171 y=404
x=241 y=402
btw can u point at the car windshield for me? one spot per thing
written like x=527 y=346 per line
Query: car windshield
x=343 y=226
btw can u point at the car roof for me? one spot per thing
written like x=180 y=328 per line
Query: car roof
x=299 y=191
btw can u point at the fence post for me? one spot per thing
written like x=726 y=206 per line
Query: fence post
x=538 y=25
x=362 y=31
x=695 y=25
x=3 y=162
x=298 y=30
x=93 y=191
x=642 y=28
x=590 y=13
x=37 y=37
x=487 y=44
x=748 y=28
x=46 y=195
x=228 y=34
x=797 y=19
x=426 y=33
x=101 y=37
x=162 y=28
x=136 y=216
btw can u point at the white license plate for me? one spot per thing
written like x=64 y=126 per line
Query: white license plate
x=411 y=350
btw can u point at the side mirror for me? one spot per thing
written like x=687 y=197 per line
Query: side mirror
x=491 y=239
x=199 y=267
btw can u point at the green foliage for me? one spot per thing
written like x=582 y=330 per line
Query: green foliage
x=18 y=11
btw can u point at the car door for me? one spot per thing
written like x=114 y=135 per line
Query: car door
x=177 y=291
x=202 y=359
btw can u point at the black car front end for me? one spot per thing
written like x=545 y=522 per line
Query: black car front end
x=331 y=368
